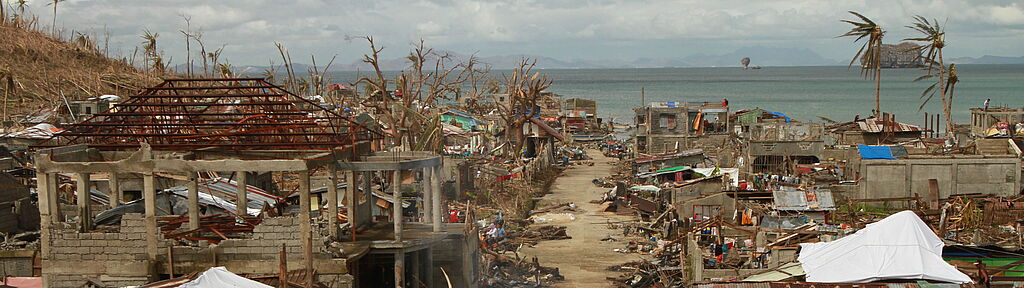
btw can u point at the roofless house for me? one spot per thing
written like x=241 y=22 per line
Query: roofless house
x=184 y=130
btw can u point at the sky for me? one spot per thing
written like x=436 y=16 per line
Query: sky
x=563 y=29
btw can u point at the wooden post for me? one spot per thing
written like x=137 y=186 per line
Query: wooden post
x=933 y=188
x=193 y=201
x=114 y=183
x=84 y=202
x=242 y=195
x=282 y=277
x=149 y=199
x=170 y=260
x=332 y=201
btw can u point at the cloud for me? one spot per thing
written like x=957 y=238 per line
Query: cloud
x=560 y=28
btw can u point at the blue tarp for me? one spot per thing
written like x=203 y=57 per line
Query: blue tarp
x=875 y=152
x=780 y=115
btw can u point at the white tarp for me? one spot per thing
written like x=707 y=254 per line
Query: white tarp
x=900 y=246
x=218 y=277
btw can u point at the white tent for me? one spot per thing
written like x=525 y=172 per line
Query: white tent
x=900 y=246
x=219 y=277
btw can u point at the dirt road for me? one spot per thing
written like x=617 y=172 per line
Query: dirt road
x=583 y=260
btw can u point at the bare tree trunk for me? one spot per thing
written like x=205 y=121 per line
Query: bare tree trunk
x=945 y=100
x=878 y=79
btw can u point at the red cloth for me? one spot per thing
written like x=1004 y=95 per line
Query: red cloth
x=453 y=216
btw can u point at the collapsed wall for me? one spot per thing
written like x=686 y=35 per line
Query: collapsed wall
x=119 y=258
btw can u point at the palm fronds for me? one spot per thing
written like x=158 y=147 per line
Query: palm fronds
x=870 y=52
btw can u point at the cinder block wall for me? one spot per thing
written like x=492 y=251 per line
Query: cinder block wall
x=118 y=258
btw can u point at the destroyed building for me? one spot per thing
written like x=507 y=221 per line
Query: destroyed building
x=881 y=173
x=668 y=127
x=874 y=131
x=181 y=132
x=779 y=147
x=997 y=121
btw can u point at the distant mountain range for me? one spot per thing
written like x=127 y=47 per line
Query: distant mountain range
x=989 y=59
x=760 y=56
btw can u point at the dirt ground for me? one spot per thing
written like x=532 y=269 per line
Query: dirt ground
x=583 y=260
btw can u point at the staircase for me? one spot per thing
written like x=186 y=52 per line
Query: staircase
x=993 y=146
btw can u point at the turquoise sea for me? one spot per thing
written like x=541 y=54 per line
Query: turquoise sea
x=803 y=93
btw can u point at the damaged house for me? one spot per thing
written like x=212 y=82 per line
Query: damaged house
x=184 y=137
x=669 y=127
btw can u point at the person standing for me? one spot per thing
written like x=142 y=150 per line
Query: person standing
x=986 y=103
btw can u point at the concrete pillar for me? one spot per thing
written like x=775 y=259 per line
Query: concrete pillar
x=52 y=187
x=84 y=202
x=43 y=190
x=304 y=204
x=366 y=213
x=353 y=201
x=416 y=268
x=149 y=199
x=399 y=268
x=193 y=201
x=114 y=183
x=428 y=192
x=428 y=266
x=242 y=194
x=396 y=190
x=332 y=201
x=435 y=201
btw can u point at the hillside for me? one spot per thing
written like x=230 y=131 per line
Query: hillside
x=41 y=68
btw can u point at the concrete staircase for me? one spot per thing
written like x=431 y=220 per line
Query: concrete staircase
x=999 y=146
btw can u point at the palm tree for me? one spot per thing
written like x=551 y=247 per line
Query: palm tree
x=54 y=27
x=870 y=53
x=933 y=35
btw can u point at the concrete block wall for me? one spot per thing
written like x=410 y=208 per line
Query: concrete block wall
x=259 y=252
x=115 y=258
x=118 y=258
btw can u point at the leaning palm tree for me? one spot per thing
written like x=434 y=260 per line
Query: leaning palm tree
x=933 y=35
x=870 y=53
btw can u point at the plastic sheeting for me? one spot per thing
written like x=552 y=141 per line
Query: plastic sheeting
x=875 y=152
x=900 y=246
x=219 y=277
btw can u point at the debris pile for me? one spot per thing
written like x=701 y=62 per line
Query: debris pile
x=507 y=272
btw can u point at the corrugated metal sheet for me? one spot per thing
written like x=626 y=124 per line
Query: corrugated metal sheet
x=809 y=200
x=874 y=126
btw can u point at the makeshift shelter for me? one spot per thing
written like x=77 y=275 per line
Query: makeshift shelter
x=900 y=246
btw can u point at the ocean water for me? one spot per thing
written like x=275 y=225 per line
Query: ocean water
x=803 y=93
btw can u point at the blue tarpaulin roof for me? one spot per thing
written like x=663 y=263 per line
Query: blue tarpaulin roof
x=780 y=115
x=875 y=152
